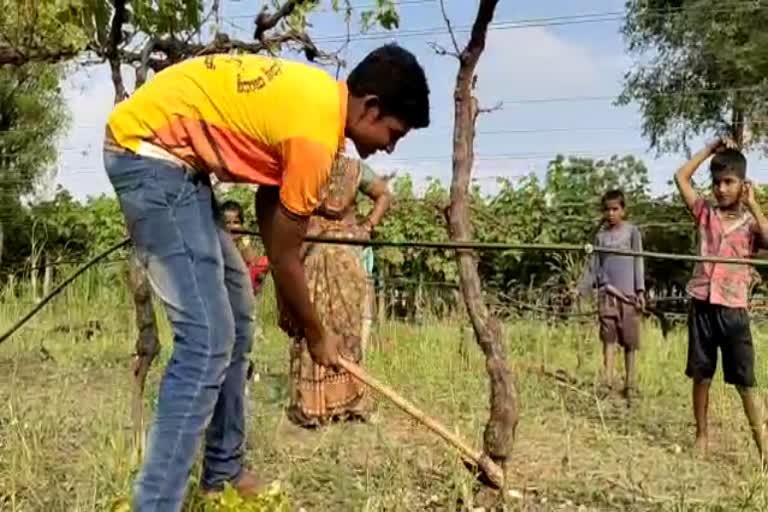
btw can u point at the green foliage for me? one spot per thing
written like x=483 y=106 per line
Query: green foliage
x=272 y=500
x=701 y=66
x=68 y=229
x=32 y=115
x=564 y=207
x=167 y=17
x=44 y=26
x=384 y=13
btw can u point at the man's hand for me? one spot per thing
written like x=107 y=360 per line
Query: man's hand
x=326 y=352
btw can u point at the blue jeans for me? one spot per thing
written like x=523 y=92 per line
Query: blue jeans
x=197 y=272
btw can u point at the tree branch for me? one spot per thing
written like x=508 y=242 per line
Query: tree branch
x=15 y=57
x=265 y=21
x=440 y=50
x=176 y=50
x=450 y=27
x=143 y=66
x=476 y=43
x=113 y=53
x=488 y=110
x=500 y=430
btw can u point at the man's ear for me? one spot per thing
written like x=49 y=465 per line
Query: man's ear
x=372 y=106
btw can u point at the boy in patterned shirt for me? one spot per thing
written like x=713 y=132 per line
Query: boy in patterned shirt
x=718 y=317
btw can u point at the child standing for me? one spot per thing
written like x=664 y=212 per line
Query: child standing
x=718 y=316
x=620 y=282
x=258 y=266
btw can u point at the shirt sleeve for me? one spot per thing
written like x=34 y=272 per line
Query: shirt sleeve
x=637 y=245
x=700 y=210
x=306 y=169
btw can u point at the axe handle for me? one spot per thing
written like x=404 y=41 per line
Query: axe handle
x=492 y=470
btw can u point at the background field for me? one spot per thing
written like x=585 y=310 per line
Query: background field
x=65 y=438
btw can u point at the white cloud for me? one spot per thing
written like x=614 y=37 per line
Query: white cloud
x=536 y=62
x=90 y=97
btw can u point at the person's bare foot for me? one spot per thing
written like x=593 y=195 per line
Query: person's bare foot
x=630 y=394
x=247 y=485
x=701 y=445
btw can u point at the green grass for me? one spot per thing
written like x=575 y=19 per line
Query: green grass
x=65 y=426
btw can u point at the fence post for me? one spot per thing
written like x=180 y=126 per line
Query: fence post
x=47 y=276
x=382 y=306
x=33 y=282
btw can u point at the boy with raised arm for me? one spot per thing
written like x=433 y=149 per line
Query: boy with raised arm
x=731 y=227
x=252 y=119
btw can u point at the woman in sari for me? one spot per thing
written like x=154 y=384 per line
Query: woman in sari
x=337 y=283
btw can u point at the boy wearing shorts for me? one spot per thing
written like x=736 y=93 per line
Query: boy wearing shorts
x=718 y=319
x=620 y=282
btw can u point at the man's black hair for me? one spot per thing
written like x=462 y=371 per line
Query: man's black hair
x=232 y=206
x=395 y=76
x=614 y=195
x=729 y=161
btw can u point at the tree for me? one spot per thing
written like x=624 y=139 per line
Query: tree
x=42 y=30
x=700 y=67
x=500 y=429
x=32 y=115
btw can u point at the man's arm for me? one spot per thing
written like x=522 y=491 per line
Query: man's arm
x=306 y=166
x=685 y=173
x=283 y=233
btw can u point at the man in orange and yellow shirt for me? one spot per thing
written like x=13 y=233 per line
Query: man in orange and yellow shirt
x=249 y=119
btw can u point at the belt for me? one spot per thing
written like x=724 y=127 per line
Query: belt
x=148 y=150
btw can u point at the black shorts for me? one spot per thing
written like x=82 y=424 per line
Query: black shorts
x=711 y=326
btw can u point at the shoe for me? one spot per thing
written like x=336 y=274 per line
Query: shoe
x=247 y=485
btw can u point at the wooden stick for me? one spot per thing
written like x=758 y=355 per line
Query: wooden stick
x=492 y=470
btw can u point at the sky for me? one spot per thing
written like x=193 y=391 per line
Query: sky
x=556 y=82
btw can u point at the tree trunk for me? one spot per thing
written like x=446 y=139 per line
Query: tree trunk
x=500 y=430
x=147 y=343
x=737 y=126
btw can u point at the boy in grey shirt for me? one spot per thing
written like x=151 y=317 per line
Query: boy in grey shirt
x=620 y=282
